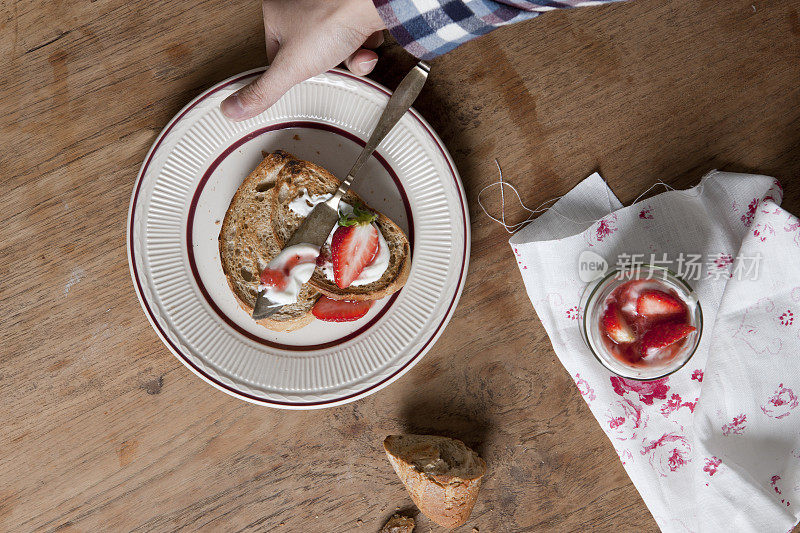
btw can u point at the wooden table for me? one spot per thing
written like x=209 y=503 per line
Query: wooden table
x=103 y=429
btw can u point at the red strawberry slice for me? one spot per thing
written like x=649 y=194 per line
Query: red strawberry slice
x=615 y=325
x=658 y=304
x=340 y=310
x=663 y=335
x=352 y=248
x=274 y=278
x=324 y=256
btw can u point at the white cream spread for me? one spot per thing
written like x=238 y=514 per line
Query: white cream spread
x=303 y=204
x=298 y=275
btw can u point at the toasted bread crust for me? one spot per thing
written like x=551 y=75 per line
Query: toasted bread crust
x=445 y=494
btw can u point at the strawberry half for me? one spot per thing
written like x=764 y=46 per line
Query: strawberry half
x=615 y=325
x=274 y=278
x=663 y=335
x=340 y=310
x=354 y=246
x=658 y=304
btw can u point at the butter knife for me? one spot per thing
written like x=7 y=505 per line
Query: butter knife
x=318 y=224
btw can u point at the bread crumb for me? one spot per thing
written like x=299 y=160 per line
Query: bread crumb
x=296 y=137
x=474 y=530
x=216 y=222
x=359 y=523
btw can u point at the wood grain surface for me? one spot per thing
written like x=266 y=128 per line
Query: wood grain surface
x=103 y=430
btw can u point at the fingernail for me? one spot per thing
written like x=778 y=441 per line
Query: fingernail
x=232 y=107
x=367 y=65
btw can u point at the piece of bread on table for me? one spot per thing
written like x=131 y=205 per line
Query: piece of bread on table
x=247 y=243
x=297 y=175
x=398 y=524
x=442 y=475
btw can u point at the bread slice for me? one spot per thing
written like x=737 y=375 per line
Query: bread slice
x=398 y=524
x=247 y=243
x=296 y=176
x=442 y=475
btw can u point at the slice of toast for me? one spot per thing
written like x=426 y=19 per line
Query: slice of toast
x=296 y=176
x=442 y=475
x=247 y=243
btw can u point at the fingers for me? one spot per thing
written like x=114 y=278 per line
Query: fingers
x=272 y=49
x=374 y=40
x=361 y=62
x=257 y=96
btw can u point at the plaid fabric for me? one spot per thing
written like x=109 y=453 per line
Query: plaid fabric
x=429 y=28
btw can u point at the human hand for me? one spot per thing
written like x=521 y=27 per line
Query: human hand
x=305 y=38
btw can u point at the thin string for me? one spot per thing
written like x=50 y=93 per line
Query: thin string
x=510 y=228
x=543 y=207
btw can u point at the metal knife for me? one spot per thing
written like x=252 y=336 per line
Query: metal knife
x=318 y=224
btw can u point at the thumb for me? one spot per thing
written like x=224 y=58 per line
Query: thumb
x=258 y=95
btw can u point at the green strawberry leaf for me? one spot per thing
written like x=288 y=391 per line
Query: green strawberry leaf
x=358 y=217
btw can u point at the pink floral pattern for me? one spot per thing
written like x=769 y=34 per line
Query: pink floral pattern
x=763 y=231
x=602 y=229
x=697 y=375
x=674 y=403
x=775 y=193
x=646 y=213
x=712 y=464
x=759 y=337
x=625 y=420
x=573 y=313
x=781 y=404
x=787 y=318
x=624 y=455
x=647 y=391
x=584 y=388
x=736 y=427
x=519 y=259
x=668 y=453
x=723 y=261
x=774 y=484
x=747 y=218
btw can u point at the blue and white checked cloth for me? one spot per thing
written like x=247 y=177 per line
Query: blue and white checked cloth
x=430 y=28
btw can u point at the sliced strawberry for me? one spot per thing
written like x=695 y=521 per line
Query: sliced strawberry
x=324 y=256
x=658 y=304
x=331 y=310
x=615 y=325
x=353 y=247
x=663 y=335
x=274 y=278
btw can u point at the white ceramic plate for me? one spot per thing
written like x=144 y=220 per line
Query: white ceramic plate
x=180 y=198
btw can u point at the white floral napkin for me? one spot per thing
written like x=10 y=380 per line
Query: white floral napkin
x=715 y=446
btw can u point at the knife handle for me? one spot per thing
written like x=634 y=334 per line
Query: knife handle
x=398 y=104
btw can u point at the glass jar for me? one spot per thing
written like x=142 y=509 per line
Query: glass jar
x=595 y=300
